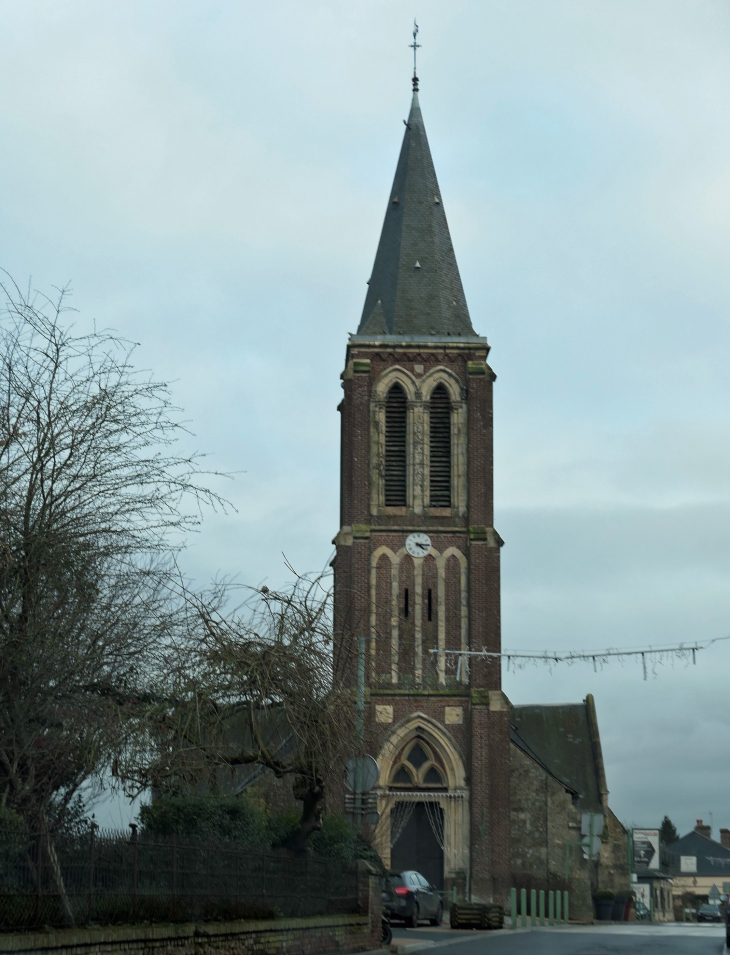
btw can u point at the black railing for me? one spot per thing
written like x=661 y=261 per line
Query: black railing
x=106 y=877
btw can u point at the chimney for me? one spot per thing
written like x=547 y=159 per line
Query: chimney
x=703 y=830
x=725 y=837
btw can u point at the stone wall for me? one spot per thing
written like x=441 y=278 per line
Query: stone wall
x=543 y=819
x=313 y=936
x=614 y=868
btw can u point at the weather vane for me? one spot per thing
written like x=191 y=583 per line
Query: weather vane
x=415 y=46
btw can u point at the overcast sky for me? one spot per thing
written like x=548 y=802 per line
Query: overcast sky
x=211 y=178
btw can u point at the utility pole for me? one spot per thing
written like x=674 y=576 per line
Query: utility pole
x=360 y=730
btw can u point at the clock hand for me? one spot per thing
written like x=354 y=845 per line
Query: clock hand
x=423 y=547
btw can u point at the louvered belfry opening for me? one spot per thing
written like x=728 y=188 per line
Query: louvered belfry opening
x=440 y=464
x=395 y=447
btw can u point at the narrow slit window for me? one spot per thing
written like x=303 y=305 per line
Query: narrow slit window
x=429 y=610
x=440 y=441
x=395 y=447
x=405 y=604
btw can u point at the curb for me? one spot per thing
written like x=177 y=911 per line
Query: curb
x=467 y=936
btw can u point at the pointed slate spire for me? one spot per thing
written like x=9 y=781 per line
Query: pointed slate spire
x=415 y=288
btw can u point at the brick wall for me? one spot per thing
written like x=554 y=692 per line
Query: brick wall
x=483 y=737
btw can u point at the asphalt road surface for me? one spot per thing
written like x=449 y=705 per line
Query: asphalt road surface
x=672 y=938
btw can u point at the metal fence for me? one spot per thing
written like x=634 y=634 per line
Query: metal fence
x=107 y=877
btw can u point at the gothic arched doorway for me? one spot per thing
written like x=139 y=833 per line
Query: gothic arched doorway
x=423 y=800
x=417 y=818
x=417 y=846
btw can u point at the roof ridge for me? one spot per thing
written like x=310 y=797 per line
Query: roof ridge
x=701 y=835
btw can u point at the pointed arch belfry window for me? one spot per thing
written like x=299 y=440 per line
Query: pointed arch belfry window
x=440 y=448
x=395 y=447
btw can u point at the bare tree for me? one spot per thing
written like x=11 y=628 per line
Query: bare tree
x=94 y=503
x=108 y=663
x=251 y=687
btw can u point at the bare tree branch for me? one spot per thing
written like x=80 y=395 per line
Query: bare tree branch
x=252 y=686
x=94 y=504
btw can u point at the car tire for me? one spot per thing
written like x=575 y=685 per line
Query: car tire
x=412 y=920
x=439 y=916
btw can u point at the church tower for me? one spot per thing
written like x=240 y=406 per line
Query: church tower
x=417 y=561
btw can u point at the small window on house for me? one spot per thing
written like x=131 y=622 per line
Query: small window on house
x=440 y=458
x=395 y=447
x=429 y=606
x=405 y=603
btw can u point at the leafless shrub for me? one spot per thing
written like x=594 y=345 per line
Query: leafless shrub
x=253 y=686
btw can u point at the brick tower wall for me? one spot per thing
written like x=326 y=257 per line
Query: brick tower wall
x=482 y=734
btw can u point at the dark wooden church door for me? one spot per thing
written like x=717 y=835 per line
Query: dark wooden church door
x=417 y=847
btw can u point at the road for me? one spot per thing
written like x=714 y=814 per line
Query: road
x=673 y=938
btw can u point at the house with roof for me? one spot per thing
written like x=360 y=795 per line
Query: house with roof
x=699 y=863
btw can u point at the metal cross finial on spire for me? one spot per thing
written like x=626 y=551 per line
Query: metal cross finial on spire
x=415 y=46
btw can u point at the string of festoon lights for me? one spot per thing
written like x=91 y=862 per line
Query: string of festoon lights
x=651 y=656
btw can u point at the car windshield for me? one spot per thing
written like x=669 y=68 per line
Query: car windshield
x=396 y=880
x=710 y=908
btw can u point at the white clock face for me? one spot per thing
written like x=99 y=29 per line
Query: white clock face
x=418 y=545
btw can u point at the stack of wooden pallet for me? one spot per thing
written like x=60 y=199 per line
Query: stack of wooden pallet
x=474 y=915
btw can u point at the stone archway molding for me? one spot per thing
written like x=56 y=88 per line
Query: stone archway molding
x=419 y=724
x=440 y=375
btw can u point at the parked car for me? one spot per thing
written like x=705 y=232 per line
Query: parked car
x=410 y=898
x=642 y=911
x=709 y=913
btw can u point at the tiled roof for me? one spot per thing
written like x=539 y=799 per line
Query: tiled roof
x=415 y=287
x=712 y=857
x=560 y=735
x=517 y=740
